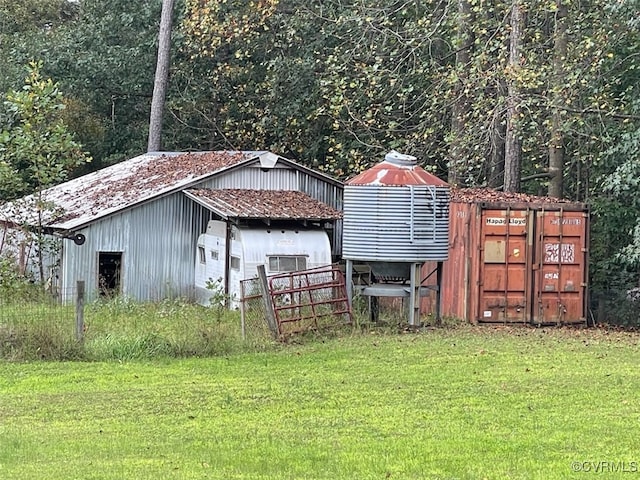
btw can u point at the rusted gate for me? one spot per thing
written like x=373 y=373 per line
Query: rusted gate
x=309 y=299
x=295 y=301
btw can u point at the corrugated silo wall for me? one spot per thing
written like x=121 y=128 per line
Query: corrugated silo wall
x=158 y=243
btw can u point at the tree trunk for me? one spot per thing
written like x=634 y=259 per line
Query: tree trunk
x=461 y=105
x=495 y=173
x=161 y=79
x=556 y=143
x=513 y=143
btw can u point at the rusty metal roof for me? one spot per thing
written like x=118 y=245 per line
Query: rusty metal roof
x=391 y=173
x=263 y=204
x=132 y=182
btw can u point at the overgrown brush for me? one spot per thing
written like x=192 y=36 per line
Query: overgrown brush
x=121 y=329
x=38 y=342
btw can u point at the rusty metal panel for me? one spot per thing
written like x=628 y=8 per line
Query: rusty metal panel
x=309 y=299
x=460 y=269
x=524 y=262
x=560 y=267
x=504 y=259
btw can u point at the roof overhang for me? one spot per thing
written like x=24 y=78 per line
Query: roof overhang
x=264 y=205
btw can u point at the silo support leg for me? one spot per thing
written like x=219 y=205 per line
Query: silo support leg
x=439 y=293
x=414 y=295
x=349 y=282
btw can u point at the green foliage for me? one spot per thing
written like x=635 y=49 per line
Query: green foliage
x=246 y=77
x=299 y=85
x=25 y=29
x=14 y=284
x=107 y=59
x=11 y=183
x=624 y=186
x=36 y=149
x=379 y=84
x=29 y=15
x=103 y=56
x=337 y=85
x=219 y=300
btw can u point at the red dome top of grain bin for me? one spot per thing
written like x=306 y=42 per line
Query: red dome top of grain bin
x=397 y=169
x=396 y=212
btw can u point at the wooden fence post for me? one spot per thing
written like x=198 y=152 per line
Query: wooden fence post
x=266 y=298
x=80 y=311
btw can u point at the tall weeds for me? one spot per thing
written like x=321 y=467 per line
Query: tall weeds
x=120 y=329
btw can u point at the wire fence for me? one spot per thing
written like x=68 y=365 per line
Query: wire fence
x=253 y=311
x=37 y=324
x=36 y=308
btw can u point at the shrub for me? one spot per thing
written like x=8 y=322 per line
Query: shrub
x=14 y=285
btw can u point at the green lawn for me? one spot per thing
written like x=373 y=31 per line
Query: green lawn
x=467 y=403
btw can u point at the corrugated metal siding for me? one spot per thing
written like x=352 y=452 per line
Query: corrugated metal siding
x=254 y=177
x=159 y=239
x=280 y=178
x=330 y=194
x=396 y=224
x=158 y=244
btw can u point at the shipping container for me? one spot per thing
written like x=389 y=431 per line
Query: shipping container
x=514 y=262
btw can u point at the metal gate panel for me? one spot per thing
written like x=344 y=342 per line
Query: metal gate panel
x=309 y=299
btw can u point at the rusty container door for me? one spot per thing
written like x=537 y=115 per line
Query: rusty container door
x=505 y=261
x=560 y=267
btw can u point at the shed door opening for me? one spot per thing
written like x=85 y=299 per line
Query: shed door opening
x=109 y=273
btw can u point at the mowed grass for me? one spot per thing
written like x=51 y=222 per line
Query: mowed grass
x=467 y=403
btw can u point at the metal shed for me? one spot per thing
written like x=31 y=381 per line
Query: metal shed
x=140 y=229
x=515 y=259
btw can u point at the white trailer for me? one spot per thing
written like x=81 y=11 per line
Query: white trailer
x=227 y=254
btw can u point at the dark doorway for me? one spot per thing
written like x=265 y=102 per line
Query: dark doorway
x=109 y=273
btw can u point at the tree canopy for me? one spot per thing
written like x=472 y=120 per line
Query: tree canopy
x=538 y=95
x=36 y=148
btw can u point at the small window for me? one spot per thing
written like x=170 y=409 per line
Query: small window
x=282 y=263
x=214 y=254
x=201 y=254
x=235 y=263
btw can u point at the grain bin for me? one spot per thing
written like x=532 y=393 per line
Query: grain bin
x=396 y=217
